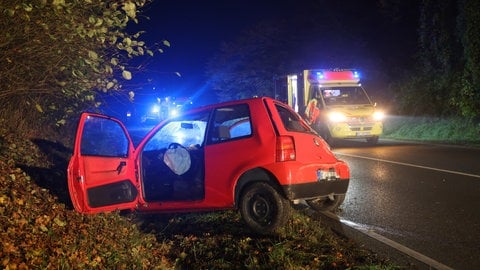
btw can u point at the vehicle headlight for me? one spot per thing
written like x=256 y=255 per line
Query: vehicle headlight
x=337 y=117
x=378 y=116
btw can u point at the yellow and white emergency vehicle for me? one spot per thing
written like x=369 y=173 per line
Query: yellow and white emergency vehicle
x=335 y=104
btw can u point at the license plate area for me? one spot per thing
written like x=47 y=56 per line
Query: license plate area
x=327 y=175
x=363 y=133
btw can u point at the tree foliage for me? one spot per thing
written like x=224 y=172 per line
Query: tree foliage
x=446 y=81
x=435 y=45
x=468 y=100
x=247 y=67
x=56 y=56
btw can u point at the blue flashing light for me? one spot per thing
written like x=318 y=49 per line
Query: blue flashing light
x=174 y=112
x=356 y=74
x=320 y=75
x=155 y=109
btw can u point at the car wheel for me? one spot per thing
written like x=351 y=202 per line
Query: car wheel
x=264 y=209
x=326 y=204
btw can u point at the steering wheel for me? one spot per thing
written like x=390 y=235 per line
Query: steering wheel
x=175 y=145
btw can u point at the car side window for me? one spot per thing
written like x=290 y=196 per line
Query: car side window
x=103 y=137
x=230 y=123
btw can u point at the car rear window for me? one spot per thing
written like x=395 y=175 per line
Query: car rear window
x=291 y=121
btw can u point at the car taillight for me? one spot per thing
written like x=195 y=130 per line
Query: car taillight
x=285 y=149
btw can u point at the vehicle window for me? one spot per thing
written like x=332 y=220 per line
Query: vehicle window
x=345 y=95
x=188 y=131
x=103 y=137
x=230 y=123
x=241 y=128
x=291 y=121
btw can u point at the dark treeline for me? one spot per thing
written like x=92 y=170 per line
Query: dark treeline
x=419 y=57
x=446 y=79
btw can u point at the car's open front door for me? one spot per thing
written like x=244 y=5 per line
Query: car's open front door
x=101 y=172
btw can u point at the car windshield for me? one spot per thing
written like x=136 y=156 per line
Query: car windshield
x=184 y=132
x=344 y=96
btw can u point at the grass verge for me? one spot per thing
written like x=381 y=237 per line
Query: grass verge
x=219 y=240
x=443 y=130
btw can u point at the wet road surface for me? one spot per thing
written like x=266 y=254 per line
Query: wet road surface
x=423 y=196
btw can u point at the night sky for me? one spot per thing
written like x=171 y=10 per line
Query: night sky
x=197 y=28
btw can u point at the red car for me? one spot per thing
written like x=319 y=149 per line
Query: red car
x=255 y=155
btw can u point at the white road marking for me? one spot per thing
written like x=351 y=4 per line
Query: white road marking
x=410 y=252
x=409 y=164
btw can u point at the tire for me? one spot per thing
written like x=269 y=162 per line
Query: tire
x=264 y=209
x=326 y=204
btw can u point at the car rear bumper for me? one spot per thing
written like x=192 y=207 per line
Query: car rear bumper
x=315 y=189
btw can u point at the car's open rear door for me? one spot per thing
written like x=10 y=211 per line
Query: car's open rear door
x=101 y=172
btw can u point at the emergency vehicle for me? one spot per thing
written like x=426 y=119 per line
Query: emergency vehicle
x=335 y=104
x=165 y=108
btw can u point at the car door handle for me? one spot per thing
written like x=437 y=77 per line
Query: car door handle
x=120 y=166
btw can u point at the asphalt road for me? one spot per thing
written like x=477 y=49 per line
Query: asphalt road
x=425 y=197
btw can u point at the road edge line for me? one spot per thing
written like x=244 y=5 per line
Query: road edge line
x=408 y=164
x=405 y=250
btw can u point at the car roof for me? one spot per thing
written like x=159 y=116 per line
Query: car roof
x=232 y=102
